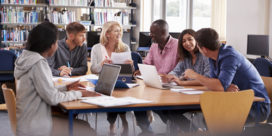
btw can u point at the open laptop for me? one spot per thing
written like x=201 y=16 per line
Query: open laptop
x=107 y=79
x=151 y=77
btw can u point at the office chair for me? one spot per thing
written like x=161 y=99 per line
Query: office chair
x=136 y=57
x=11 y=106
x=225 y=113
x=263 y=66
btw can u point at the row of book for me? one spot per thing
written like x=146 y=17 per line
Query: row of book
x=14 y=35
x=18 y=15
x=65 y=17
x=69 y=2
x=109 y=3
x=22 y=1
x=101 y=17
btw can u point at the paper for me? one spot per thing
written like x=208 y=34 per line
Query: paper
x=131 y=85
x=91 y=89
x=120 y=58
x=64 y=80
x=109 y=101
x=187 y=91
x=86 y=77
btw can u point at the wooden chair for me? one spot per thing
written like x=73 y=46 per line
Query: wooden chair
x=268 y=85
x=11 y=106
x=226 y=112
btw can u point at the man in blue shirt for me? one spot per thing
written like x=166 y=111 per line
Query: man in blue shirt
x=230 y=71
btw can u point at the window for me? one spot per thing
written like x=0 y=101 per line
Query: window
x=176 y=15
x=201 y=14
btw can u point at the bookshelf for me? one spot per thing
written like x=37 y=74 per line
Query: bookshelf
x=113 y=10
x=20 y=16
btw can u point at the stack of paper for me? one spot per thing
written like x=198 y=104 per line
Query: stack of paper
x=109 y=101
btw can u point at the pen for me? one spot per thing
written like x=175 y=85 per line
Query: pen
x=68 y=64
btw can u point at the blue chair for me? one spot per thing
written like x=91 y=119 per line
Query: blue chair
x=263 y=66
x=7 y=59
x=136 y=57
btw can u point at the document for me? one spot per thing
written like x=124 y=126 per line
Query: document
x=109 y=101
x=187 y=91
x=120 y=58
x=86 y=77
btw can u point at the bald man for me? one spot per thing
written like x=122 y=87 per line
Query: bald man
x=163 y=51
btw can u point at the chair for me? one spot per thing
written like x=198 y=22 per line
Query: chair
x=136 y=57
x=268 y=85
x=11 y=106
x=263 y=66
x=226 y=112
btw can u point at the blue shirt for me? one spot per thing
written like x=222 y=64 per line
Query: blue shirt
x=201 y=66
x=232 y=67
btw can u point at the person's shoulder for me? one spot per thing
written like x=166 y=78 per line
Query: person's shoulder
x=98 y=45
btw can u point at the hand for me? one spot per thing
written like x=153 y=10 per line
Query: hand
x=129 y=61
x=190 y=74
x=89 y=94
x=65 y=72
x=233 y=88
x=137 y=72
x=108 y=61
x=62 y=67
x=75 y=86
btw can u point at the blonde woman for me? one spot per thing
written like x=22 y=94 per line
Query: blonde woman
x=111 y=41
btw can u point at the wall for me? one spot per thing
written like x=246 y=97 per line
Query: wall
x=247 y=17
x=270 y=29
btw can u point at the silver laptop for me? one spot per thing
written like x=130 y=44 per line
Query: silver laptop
x=151 y=77
x=107 y=79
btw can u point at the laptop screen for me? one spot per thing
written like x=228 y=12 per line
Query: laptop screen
x=107 y=79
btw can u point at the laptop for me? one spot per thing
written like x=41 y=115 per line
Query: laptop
x=152 y=78
x=107 y=79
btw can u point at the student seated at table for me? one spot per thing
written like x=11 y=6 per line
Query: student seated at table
x=70 y=58
x=111 y=41
x=163 y=51
x=190 y=58
x=230 y=71
x=35 y=90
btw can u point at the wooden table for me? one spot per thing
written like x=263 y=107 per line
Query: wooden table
x=161 y=100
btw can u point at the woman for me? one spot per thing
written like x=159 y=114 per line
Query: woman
x=190 y=58
x=35 y=91
x=110 y=41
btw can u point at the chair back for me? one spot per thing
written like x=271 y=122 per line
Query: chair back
x=263 y=66
x=268 y=85
x=136 y=57
x=11 y=106
x=226 y=112
x=7 y=59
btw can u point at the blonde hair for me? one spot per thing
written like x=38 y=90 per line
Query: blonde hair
x=107 y=27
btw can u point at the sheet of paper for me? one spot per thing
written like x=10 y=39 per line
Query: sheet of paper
x=187 y=91
x=109 y=101
x=120 y=58
x=89 y=76
x=131 y=85
x=64 y=79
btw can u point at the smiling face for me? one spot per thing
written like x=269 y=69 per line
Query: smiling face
x=79 y=38
x=188 y=42
x=115 y=34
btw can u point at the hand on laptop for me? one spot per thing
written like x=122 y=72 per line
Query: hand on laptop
x=75 y=86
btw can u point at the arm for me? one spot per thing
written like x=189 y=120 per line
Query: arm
x=178 y=70
x=82 y=69
x=51 y=62
x=95 y=65
x=45 y=87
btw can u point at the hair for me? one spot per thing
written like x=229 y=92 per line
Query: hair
x=208 y=38
x=74 y=28
x=162 y=24
x=107 y=27
x=42 y=37
x=183 y=53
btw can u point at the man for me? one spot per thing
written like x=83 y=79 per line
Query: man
x=71 y=56
x=230 y=71
x=163 y=51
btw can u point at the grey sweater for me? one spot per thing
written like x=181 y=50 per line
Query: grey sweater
x=76 y=57
x=35 y=93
